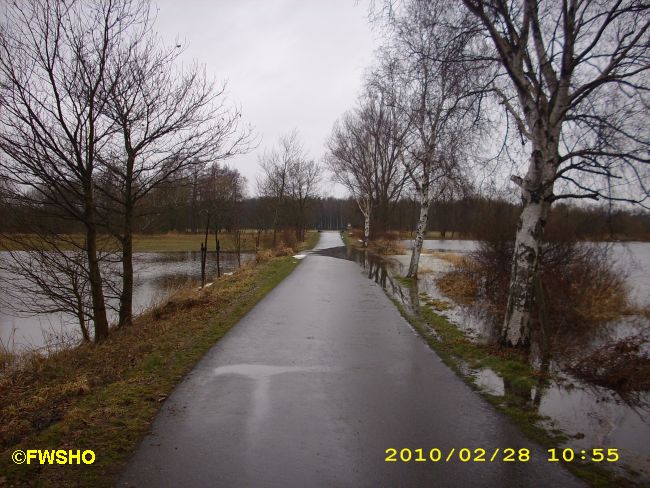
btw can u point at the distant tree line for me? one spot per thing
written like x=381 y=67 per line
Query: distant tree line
x=180 y=207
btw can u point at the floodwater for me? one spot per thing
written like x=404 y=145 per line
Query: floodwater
x=592 y=416
x=447 y=245
x=632 y=257
x=156 y=277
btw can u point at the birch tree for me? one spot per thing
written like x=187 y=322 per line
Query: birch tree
x=439 y=94
x=574 y=79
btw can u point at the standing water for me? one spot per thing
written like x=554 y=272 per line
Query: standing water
x=591 y=416
x=156 y=275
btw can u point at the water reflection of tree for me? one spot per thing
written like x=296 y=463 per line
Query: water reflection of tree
x=524 y=394
x=377 y=269
x=50 y=275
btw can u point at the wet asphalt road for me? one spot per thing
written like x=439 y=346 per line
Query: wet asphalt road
x=313 y=386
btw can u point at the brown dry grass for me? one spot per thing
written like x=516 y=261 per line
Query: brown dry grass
x=387 y=243
x=283 y=250
x=459 y=286
x=264 y=255
x=387 y=247
x=451 y=257
x=460 y=283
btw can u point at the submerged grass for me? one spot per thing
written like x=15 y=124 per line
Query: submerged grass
x=385 y=245
x=104 y=397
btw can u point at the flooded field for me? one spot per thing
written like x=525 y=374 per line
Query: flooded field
x=591 y=416
x=157 y=276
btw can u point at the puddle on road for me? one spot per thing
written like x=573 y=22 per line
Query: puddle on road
x=594 y=417
x=258 y=371
x=262 y=375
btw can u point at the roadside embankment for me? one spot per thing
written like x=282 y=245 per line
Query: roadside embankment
x=104 y=397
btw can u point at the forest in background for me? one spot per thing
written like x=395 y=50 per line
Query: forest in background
x=180 y=206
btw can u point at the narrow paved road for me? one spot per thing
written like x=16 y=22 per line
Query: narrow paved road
x=312 y=387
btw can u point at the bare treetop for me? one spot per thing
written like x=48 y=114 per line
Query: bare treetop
x=582 y=68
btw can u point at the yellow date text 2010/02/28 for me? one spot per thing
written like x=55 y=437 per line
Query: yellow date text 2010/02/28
x=508 y=455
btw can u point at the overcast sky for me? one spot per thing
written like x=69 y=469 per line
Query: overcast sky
x=289 y=64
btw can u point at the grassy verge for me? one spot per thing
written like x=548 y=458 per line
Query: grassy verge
x=104 y=397
x=310 y=242
x=464 y=356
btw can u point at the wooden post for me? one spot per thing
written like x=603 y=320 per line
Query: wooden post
x=203 y=256
x=204 y=250
x=238 y=245
x=218 y=246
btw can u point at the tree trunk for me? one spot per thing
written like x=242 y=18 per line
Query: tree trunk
x=81 y=317
x=366 y=227
x=218 y=248
x=193 y=204
x=94 y=273
x=419 y=238
x=126 y=296
x=525 y=261
x=276 y=217
x=366 y=230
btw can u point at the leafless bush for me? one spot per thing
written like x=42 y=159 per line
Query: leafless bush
x=387 y=246
x=263 y=255
x=623 y=366
x=283 y=250
x=580 y=285
x=461 y=283
x=288 y=239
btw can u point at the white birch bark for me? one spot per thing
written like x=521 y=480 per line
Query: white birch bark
x=366 y=226
x=365 y=206
x=419 y=237
x=536 y=190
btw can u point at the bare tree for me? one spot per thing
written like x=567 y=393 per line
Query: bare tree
x=351 y=164
x=364 y=154
x=277 y=166
x=304 y=176
x=438 y=92
x=574 y=79
x=54 y=67
x=168 y=119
